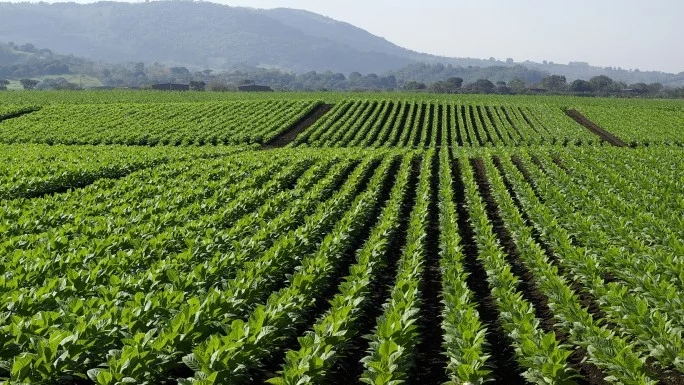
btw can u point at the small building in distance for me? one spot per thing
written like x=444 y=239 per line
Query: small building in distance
x=171 y=87
x=254 y=88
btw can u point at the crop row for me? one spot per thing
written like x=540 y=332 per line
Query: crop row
x=304 y=266
x=391 y=123
x=34 y=169
x=157 y=124
x=400 y=121
x=10 y=110
x=639 y=126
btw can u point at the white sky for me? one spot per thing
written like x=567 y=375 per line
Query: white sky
x=648 y=35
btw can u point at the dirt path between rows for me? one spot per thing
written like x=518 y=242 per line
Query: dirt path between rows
x=595 y=128
x=305 y=122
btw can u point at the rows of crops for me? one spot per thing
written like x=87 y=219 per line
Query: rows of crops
x=400 y=239
x=388 y=123
x=639 y=125
x=250 y=266
x=10 y=110
x=33 y=170
x=380 y=121
x=156 y=123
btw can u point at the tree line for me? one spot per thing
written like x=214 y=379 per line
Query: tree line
x=434 y=78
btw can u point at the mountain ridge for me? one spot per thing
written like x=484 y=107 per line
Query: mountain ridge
x=205 y=35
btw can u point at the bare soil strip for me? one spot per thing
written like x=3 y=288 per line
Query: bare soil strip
x=504 y=110
x=431 y=364
x=595 y=128
x=17 y=114
x=440 y=125
x=449 y=129
x=349 y=367
x=586 y=298
x=529 y=122
x=483 y=136
x=666 y=376
x=505 y=368
x=591 y=373
x=305 y=122
x=322 y=302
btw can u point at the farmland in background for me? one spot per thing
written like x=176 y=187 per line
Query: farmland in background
x=169 y=238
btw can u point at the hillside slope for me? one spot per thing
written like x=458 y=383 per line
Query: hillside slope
x=200 y=35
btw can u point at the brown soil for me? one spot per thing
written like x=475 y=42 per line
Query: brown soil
x=305 y=122
x=669 y=376
x=449 y=128
x=431 y=364
x=505 y=114
x=505 y=368
x=482 y=140
x=349 y=365
x=587 y=300
x=595 y=128
x=590 y=373
x=322 y=302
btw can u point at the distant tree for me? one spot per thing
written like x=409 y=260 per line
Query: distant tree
x=580 y=85
x=482 y=86
x=655 y=88
x=139 y=69
x=3 y=84
x=389 y=82
x=218 y=86
x=56 y=68
x=29 y=84
x=180 y=74
x=641 y=88
x=601 y=83
x=197 y=85
x=441 y=88
x=57 y=84
x=456 y=81
x=617 y=87
x=414 y=86
x=509 y=60
x=354 y=76
x=517 y=85
x=502 y=88
x=178 y=71
x=554 y=83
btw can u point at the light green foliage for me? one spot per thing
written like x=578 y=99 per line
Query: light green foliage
x=132 y=264
x=152 y=124
x=658 y=123
x=398 y=123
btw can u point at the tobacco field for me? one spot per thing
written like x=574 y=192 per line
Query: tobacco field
x=200 y=238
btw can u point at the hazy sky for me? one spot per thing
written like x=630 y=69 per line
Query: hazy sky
x=647 y=35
